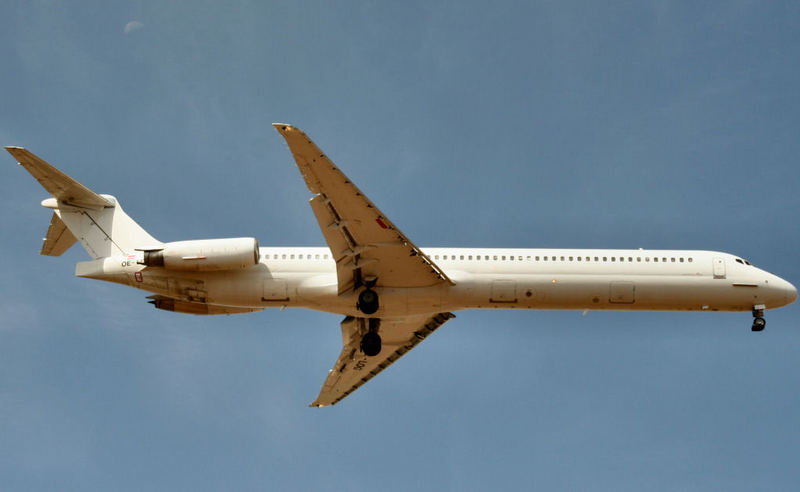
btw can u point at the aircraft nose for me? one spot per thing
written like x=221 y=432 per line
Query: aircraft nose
x=791 y=293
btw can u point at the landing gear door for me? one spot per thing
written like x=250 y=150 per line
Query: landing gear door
x=719 y=267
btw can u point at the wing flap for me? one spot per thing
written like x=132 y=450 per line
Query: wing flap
x=58 y=239
x=58 y=184
x=353 y=369
x=363 y=241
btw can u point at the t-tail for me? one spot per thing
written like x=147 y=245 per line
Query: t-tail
x=81 y=215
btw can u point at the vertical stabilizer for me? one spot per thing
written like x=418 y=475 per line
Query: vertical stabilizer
x=96 y=221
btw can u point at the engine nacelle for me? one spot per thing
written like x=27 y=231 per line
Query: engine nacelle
x=204 y=255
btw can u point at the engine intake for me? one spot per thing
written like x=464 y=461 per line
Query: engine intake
x=204 y=255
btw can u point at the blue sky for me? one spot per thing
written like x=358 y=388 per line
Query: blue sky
x=518 y=124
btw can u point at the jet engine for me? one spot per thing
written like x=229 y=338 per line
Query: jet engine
x=205 y=255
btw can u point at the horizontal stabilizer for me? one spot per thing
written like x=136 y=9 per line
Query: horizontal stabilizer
x=58 y=184
x=58 y=239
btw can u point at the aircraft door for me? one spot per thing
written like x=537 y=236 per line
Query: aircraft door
x=275 y=290
x=504 y=291
x=719 y=267
x=622 y=292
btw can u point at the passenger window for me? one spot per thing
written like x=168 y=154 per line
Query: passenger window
x=316 y=257
x=664 y=260
x=647 y=259
x=613 y=259
x=470 y=257
x=681 y=260
x=562 y=258
x=655 y=259
x=630 y=259
x=570 y=258
x=672 y=260
x=504 y=258
x=284 y=256
x=291 y=257
x=495 y=257
x=462 y=257
x=690 y=260
x=639 y=259
x=579 y=258
x=605 y=258
x=596 y=258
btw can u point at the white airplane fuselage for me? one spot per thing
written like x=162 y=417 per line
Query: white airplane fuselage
x=483 y=279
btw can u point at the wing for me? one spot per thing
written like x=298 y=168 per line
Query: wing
x=353 y=368
x=58 y=184
x=366 y=245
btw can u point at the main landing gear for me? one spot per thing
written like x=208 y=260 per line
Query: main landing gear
x=758 y=318
x=371 y=341
x=368 y=304
x=368 y=301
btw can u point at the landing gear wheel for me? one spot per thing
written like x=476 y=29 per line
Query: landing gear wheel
x=758 y=318
x=368 y=301
x=371 y=344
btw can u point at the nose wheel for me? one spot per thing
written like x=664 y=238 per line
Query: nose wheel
x=758 y=318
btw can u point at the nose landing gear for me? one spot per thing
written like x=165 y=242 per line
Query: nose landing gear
x=758 y=318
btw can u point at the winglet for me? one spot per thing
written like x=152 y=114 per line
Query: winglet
x=58 y=184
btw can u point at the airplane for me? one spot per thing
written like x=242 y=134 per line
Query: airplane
x=391 y=293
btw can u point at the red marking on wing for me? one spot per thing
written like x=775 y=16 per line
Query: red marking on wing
x=381 y=223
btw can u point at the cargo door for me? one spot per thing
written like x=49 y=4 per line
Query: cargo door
x=275 y=290
x=504 y=291
x=622 y=293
